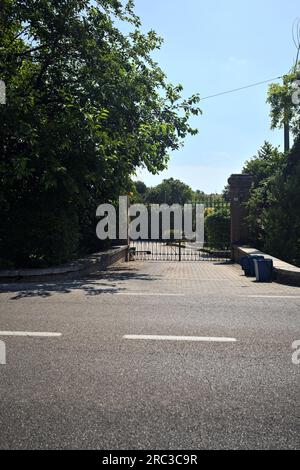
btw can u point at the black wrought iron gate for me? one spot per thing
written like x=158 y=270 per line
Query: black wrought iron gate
x=178 y=251
x=182 y=250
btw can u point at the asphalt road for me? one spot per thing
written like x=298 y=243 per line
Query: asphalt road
x=93 y=388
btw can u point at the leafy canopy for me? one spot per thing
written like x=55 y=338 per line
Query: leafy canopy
x=86 y=106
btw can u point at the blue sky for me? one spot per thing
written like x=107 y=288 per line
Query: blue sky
x=215 y=46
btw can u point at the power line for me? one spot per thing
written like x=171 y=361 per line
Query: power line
x=241 y=88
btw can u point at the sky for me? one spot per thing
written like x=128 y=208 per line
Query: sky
x=214 y=46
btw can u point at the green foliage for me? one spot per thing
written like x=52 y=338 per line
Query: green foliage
x=139 y=190
x=170 y=191
x=38 y=218
x=217 y=228
x=86 y=106
x=264 y=164
x=282 y=108
x=274 y=204
x=262 y=167
x=173 y=191
x=282 y=218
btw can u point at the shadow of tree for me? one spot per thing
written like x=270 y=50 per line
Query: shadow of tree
x=103 y=282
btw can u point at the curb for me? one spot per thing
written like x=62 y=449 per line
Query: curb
x=89 y=265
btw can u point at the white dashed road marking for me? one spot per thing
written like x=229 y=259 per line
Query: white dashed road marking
x=182 y=338
x=273 y=296
x=41 y=334
x=150 y=294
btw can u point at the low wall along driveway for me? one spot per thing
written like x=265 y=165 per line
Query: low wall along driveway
x=88 y=265
x=284 y=273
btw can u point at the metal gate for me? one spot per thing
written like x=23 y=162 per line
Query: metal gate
x=178 y=251
x=182 y=250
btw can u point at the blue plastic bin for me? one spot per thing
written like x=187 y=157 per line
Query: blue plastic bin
x=252 y=258
x=245 y=263
x=263 y=270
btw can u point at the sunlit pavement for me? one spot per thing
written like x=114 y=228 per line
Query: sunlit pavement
x=104 y=383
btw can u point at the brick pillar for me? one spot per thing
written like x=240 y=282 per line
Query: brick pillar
x=239 y=189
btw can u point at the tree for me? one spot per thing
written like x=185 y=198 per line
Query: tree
x=264 y=164
x=139 y=192
x=273 y=206
x=86 y=106
x=281 y=218
x=283 y=110
x=263 y=167
x=170 y=191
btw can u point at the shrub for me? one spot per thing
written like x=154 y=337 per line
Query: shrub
x=281 y=219
x=217 y=228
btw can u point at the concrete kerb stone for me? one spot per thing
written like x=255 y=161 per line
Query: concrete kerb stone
x=88 y=265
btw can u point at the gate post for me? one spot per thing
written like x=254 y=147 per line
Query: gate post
x=239 y=190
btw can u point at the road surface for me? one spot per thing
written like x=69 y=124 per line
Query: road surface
x=105 y=374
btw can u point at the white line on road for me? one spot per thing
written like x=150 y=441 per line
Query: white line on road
x=150 y=294
x=41 y=334
x=182 y=338
x=272 y=296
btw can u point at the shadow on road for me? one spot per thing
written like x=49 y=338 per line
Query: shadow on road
x=104 y=282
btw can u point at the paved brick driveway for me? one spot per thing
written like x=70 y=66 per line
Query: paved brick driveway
x=205 y=278
x=155 y=277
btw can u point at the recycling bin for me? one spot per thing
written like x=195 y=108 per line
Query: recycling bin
x=245 y=264
x=252 y=258
x=263 y=270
